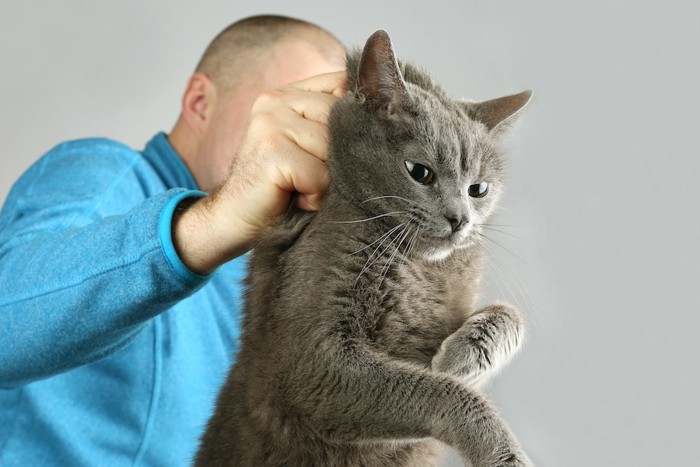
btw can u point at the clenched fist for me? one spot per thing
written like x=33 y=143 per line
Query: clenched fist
x=283 y=151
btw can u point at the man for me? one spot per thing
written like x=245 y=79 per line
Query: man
x=118 y=291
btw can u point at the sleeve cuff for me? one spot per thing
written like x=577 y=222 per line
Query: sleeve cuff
x=166 y=239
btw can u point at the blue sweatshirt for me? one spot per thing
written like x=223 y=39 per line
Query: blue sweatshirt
x=111 y=350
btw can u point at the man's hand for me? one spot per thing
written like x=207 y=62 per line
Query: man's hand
x=283 y=151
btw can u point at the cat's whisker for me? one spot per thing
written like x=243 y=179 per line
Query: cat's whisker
x=488 y=227
x=502 y=225
x=480 y=234
x=413 y=245
x=370 y=218
x=402 y=237
x=372 y=259
x=377 y=240
x=522 y=298
x=528 y=304
x=500 y=274
x=409 y=246
x=389 y=196
x=386 y=236
x=493 y=256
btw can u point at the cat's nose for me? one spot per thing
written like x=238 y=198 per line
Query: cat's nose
x=458 y=222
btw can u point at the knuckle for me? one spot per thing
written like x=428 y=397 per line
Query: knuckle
x=271 y=152
x=276 y=141
x=268 y=100
x=262 y=122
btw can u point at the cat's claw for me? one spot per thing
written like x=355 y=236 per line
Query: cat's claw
x=515 y=459
x=518 y=460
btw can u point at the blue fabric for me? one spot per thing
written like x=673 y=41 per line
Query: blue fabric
x=111 y=350
x=166 y=240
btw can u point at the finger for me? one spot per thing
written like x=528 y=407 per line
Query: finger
x=309 y=202
x=311 y=105
x=334 y=83
x=309 y=135
x=305 y=174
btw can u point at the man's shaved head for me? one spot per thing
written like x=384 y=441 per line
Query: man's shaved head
x=240 y=51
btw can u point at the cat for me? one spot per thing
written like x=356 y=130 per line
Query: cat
x=361 y=344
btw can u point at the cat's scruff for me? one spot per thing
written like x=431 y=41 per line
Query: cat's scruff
x=361 y=343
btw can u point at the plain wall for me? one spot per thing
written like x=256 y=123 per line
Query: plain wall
x=601 y=222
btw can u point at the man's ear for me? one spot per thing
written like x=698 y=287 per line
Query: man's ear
x=198 y=102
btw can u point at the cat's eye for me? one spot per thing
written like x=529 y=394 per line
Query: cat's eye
x=478 y=190
x=419 y=172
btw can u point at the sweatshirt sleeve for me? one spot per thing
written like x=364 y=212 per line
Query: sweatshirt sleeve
x=76 y=286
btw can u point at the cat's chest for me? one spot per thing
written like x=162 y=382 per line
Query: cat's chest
x=418 y=306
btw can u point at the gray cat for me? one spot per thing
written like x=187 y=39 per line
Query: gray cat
x=361 y=344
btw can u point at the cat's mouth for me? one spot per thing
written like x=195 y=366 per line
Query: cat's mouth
x=461 y=236
x=436 y=248
x=433 y=255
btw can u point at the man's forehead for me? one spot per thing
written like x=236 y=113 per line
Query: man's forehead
x=298 y=60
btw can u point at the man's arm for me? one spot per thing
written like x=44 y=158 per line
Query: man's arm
x=75 y=287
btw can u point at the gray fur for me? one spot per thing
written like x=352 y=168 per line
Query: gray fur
x=361 y=344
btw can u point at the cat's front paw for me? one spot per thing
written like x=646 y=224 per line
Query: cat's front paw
x=483 y=344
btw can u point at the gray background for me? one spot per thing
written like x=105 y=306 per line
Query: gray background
x=601 y=249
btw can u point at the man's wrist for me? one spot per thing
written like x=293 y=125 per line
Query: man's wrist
x=205 y=237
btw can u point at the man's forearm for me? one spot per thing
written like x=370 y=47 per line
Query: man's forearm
x=71 y=297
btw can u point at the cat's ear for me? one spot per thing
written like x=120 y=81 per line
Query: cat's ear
x=497 y=113
x=379 y=79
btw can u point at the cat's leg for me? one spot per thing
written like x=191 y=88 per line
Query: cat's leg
x=482 y=345
x=362 y=396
